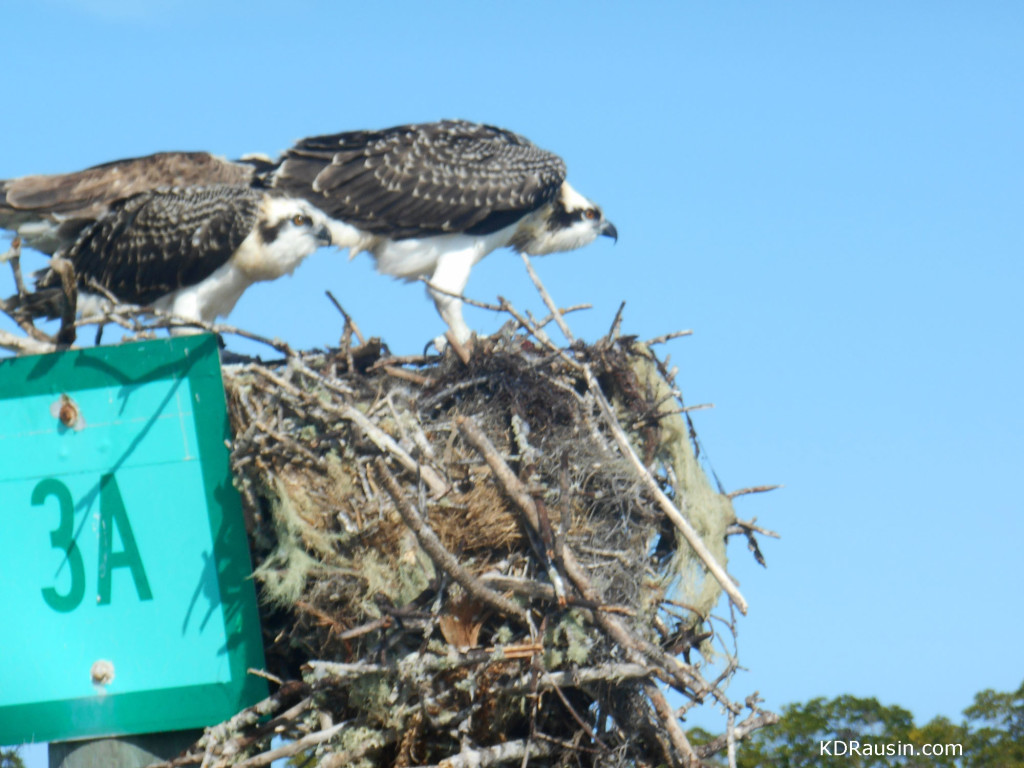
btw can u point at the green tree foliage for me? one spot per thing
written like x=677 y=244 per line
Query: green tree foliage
x=9 y=758
x=997 y=736
x=822 y=733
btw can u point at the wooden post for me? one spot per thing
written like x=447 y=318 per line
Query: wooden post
x=125 y=752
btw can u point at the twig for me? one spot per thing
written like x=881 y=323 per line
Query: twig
x=377 y=436
x=401 y=373
x=25 y=345
x=292 y=748
x=265 y=675
x=349 y=322
x=616 y=329
x=441 y=556
x=667 y=337
x=756 y=720
x=668 y=719
x=673 y=514
x=508 y=752
x=562 y=311
x=754 y=489
x=559 y=320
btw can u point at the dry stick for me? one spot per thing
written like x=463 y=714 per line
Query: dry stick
x=730 y=733
x=349 y=322
x=747 y=526
x=245 y=719
x=579 y=720
x=616 y=329
x=502 y=753
x=564 y=311
x=351 y=756
x=670 y=510
x=755 y=489
x=755 y=721
x=675 y=731
x=667 y=337
x=636 y=648
x=132 y=313
x=441 y=556
x=562 y=326
x=292 y=748
x=401 y=373
x=377 y=436
x=13 y=255
x=677 y=518
x=609 y=673
x=25 y=345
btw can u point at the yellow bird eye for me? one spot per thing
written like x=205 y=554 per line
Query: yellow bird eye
x=590 y=213
x=299 y=220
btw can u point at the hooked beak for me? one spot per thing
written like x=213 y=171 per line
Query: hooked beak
x=323 y=235
x=608 y=230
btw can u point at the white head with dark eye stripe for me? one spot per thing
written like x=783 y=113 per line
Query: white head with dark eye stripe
x=570 y=221
x=289 y=230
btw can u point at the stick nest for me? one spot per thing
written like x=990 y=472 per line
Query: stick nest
x=507 y=556
x=461 y=566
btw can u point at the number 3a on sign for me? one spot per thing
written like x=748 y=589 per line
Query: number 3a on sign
x=112 y=512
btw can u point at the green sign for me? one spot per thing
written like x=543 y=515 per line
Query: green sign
x=124 y=562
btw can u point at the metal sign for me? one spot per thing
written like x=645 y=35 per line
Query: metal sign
x=124 y=562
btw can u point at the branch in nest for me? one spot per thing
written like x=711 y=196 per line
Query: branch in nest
x=508 y=752
x=755 y=721
x=748 y=530
x=377 y=436
x=441 y=556
x=25 y=345
x=555 y=313
x=754 y=489
x=670 y=510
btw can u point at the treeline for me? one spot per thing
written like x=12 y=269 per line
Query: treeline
x=849 y=731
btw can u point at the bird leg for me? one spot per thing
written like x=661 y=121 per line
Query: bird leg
x=446 y=285
x=69 y=306
x=13 y=255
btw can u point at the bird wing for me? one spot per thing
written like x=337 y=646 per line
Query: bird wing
x=159 y=241
x=413 y=180
x=72 y=201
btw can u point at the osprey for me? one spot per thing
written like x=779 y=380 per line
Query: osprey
x=431 y=200
x=427 y=200
x=187 y=251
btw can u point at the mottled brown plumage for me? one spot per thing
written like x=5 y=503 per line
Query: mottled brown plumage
x=159 y=241
x=49 y=211
x=191 y=252
x=416 y=180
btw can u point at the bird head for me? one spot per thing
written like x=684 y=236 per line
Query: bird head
x=571 y=221
x=291 y=229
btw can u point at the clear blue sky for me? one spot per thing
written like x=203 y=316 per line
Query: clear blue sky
x=829 y=194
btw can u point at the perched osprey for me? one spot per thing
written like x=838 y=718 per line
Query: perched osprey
x=431 y=200
x=427 y=200
x=189 y=251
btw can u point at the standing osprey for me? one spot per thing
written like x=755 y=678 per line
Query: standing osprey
x=427 y=200
x=431 y=200
x=187 y=251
